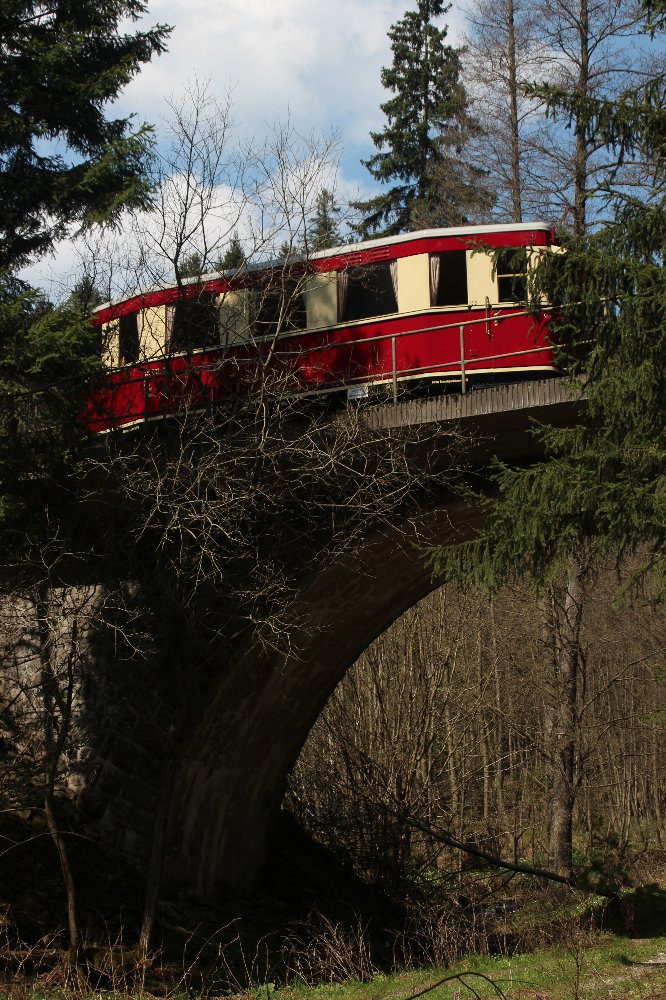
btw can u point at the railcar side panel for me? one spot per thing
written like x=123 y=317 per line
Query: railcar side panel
x=416 y=311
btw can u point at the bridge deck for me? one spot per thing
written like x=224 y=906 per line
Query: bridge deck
x=521 y=396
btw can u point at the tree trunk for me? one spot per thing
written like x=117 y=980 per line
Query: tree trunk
x=567 y=665
x=156 y=860
x=581 y=152
x=516 y=193
x=67 y=876
x=57 y=722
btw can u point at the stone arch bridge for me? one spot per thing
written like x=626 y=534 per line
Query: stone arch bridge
x=225 y=786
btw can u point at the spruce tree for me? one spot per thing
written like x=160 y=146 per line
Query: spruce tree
x=421 y=147
x=602 y=483
x=324 y=231
x=48 y=358
x=601 y=487
x=84 y=297
x=191 y=266
x=233 y=257
x=61 y=160
x=63 y=163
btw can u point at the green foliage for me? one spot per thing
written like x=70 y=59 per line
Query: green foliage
x=324 y=231
x=601 y=483
x=547 y=912
x=234 y=256
x=287 y=252
x=61 y=160
x=48 y=358
x=421 y=146
x=84 y=297
x=192 y=266
x=586 y=965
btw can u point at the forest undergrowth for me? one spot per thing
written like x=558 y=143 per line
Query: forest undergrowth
x=316 y=922
x=440 y=735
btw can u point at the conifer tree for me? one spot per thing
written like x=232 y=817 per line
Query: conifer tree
x=603 y=482
x=324 y=229
x=84 y=297
x=421 y=147
x=233 y=257
x=191 y=266
x=61 y=159
x=62 y=163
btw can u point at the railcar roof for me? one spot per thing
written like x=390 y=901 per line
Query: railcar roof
x=427 y=234
x=341 y=251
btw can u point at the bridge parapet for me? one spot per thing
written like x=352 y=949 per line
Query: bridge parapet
x=543 y=394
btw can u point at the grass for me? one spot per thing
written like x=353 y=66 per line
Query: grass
x=603 y=968
x=592 y=966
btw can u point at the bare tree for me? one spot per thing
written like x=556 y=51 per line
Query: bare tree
x=217 y=513
x=546 y=164
x=198 y=173
x=597 y=46
x=482 y=738
x=563 y=628
x=45 y=633
x=503 y=49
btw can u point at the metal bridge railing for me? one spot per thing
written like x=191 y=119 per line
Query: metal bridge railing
x=461 y=364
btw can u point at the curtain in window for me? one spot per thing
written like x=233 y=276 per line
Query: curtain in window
x=394 y=279
x=435 y=266
x=343 y=289
x=169 y=324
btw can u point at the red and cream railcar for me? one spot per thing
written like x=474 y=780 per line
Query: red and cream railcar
x=421 y=312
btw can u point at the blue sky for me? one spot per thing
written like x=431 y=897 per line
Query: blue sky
x=316 y=61
x=319 y=60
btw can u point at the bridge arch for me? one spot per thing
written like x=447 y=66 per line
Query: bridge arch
x=231 y=777
x=222 y=794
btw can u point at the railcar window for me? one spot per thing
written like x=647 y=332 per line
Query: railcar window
x=194 y=324
x=512 y=276
x=279 y=307
x=448 y=278
x=128 y=339
x=368 y=290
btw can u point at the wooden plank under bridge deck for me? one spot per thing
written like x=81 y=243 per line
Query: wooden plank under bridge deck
x=544 y=395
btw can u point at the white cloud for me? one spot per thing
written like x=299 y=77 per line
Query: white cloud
x=318 y=61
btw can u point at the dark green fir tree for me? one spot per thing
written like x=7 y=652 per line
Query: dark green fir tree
x=61 y=160
x=602 y=483
x=324 y=229
x=421 y=149
x=63 y=164
x=84 y=297
x=600 y=490
x=234 y=255
x=191 y=266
